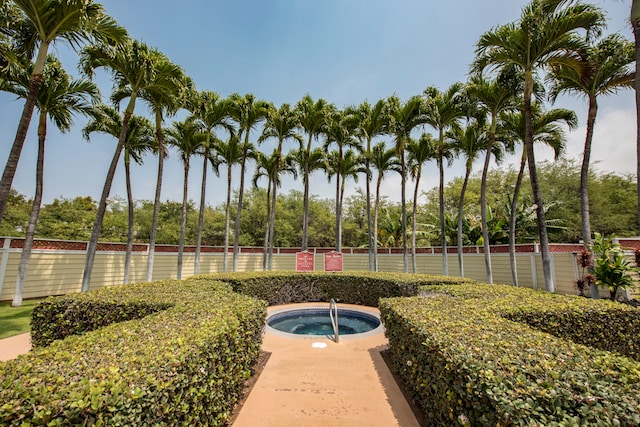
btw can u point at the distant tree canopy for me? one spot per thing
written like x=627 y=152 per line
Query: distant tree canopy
x=612 y=205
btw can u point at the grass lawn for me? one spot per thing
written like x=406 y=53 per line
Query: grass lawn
x=14 y=321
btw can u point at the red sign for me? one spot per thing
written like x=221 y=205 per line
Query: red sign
x=333 y=261
x=305 y=261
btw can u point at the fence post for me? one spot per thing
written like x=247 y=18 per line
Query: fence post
x=4 y=262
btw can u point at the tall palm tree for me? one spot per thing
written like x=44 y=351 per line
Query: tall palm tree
x=496 y=96
x=545 y=128
x=132 y=66
x=313 y=119
x=602 y=70
x=281 y=124
x=403 y=118
x=59 y=99
x=470 y=142
x=228 y=153
x=44 y=22
x=248 y=112
x=209 y=112
x=165 y=97
x=383 y=161
x=271 y=167
x=308 y=162
x=445 y=109
x=634 y=18
x=188 y=139
x=370 y=122
x=339 y=131
x=419 y=152
x=139 y=140
x=544 y=36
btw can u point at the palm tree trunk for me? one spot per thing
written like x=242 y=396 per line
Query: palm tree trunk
x=584 y=172
x=203 y=191
x=535 y=189
x=21 y=134
x=236 y=234
x=414 y=222
x=156 y=200
x=375 y=221
x=372 y=249
x=272 y=222
x=443 y=235
x=127 y=254
x=183 y=221
x=635 y=24
x=342 y=185
x=265 y=245
x=102 y=205
x=460 y=222
x=226 y=222
x=483 y=204
x=405 y=257
x=338 y=234
x=25 y=256
x=305 y=208
x=512 y=221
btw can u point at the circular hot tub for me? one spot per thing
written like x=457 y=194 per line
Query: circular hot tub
x=316 y=321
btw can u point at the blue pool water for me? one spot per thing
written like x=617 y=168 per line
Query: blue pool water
x=316 y=321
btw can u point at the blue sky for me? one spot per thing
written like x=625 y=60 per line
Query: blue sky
x=345 y=51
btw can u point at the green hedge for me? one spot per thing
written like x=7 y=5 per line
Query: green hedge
x=184 y=365
x=468 y=364
x=361 y=288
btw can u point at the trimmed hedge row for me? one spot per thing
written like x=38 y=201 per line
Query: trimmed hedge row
x=468 y=364
x=361 y=288
x=184 y=365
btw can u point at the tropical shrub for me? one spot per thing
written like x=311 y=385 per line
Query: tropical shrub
x=183 y=364
x=611 y=269
x=470 y=360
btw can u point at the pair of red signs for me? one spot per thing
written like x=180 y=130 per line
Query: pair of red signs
x=305 y=261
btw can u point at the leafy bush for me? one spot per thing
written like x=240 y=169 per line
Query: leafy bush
x=468 y=364
x=611 y=269
x=184 y=365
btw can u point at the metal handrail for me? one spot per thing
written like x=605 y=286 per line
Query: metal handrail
x=333 y=307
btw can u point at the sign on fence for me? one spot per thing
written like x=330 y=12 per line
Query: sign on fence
x=333 y=261
x=305 y=261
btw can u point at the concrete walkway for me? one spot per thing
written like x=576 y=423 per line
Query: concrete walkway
x=344 y=384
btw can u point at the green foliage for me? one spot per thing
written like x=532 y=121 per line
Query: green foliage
x=467 y=362
x=610 y=267
x=68 y=219
x=184 y=365
x=16 y=217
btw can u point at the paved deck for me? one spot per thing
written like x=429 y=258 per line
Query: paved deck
x=344 y=384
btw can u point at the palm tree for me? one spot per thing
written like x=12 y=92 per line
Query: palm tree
x=383 y=161
x=281 y=124
x=44 y=22
x=419 y=152
x=139 y=140
x=209 y=112
x=165 y=97
x=403 y=118
x=445 y=109
x=545 y=129
x=307 y=162
x=495 y=96
x=602 y=70
x=270 y=167
x=313 y=118
x=338 y=131
x=59 y=99
x=370 y=122
x=133 y=68
x=188 y=139
x=544 y=36
x=635 y=24
x=469 y=142
x=229 y=153
x=248 y=112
